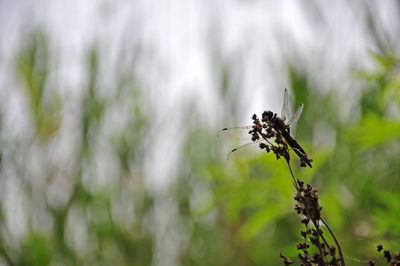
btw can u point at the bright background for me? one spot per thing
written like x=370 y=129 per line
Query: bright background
x=108 y=119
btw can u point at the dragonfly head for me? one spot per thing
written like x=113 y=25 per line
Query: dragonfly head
x=267 y=115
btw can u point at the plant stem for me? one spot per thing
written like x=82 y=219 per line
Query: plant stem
x=335 y=239
x=294 y=179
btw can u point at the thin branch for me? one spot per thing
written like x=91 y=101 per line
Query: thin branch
x=336 y=241
x=294 y=179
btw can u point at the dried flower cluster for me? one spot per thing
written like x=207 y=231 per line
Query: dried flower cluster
x=392 y=259
x=273 y=129
x=266 y=131
x=308 y=207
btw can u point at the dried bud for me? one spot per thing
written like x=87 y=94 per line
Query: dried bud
x=303 y=234
x=305 y=221
x=302 y=246
x=387 y=255
x=286 y=260
x=332 y=251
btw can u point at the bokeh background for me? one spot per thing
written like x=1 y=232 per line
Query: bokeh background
x=108 y=119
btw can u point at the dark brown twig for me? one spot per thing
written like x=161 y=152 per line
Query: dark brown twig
x=335 y=239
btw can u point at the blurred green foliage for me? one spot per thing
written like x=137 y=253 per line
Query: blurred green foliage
x=33 y=69
x=236 y=213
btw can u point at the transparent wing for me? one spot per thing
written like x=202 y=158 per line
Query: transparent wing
x=245 y=150
x=293 y=121
x=235 y=133
x=285 y=114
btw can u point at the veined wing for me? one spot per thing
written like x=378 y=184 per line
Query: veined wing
x=285 y=114
x=293 y=121
x=245 y=150
x=235 y=133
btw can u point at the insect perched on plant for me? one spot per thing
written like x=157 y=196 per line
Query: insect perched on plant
x=271 y=129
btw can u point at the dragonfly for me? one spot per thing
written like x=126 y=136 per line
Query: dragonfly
x=286 y=125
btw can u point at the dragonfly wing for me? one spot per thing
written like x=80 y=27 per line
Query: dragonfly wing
x=235 y=133
x=285 y=114
x=245 y=150
x=293 y=121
